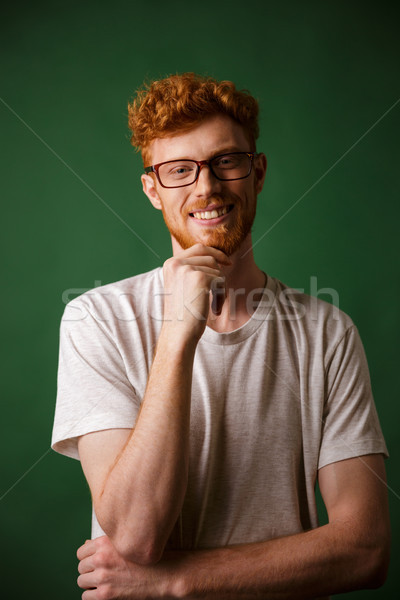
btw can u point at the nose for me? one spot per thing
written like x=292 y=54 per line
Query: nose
x=206 y=182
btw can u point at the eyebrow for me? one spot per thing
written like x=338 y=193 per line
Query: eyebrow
x=220 y=152
x=227 y=149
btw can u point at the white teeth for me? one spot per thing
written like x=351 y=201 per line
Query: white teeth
x=211 y=214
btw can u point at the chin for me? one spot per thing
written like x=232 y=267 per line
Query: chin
x=228 y=240
x=225 y=242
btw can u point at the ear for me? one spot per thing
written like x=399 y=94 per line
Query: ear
x=149 y=188
x=260 y=170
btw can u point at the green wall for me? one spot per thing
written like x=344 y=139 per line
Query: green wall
x=73 y=214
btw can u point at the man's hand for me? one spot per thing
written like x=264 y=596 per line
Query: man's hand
x=105 y=575
x=188 y=280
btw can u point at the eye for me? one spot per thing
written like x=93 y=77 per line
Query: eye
x=227 y=161
x=179 y=170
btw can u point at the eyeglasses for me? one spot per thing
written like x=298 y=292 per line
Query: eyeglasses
x=225 y=167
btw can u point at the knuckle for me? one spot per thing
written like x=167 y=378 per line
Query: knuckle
x=100 y=558
x=199 y=247
x=170 y=262
x=102 y=577
x=187 y=270
x=104 y=592
x=102 y=541
x=210 y=261
x=167 y=263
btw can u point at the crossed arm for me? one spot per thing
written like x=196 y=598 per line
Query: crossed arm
x=351 y=552
x=138 y=492
x=138 y=481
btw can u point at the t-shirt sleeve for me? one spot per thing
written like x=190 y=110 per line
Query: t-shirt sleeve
x=350 y=422
x=93 y=389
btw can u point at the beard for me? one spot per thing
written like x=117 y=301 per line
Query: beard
x=224 y=238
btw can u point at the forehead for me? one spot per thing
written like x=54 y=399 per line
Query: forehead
x=214 y=135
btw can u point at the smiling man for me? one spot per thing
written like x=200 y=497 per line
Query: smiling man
x=204 y=403
x=217 y=214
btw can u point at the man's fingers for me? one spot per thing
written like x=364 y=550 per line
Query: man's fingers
x=90 y=594
x=86 y=581
x=88 y=548
x=201 y=250
x=209 y=271
x=201 y=261
x=86 y=565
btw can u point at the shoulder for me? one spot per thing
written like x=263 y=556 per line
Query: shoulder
x=311 y=320
x=118 y=300
x=294 y=304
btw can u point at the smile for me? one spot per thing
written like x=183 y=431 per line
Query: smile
x=211 y=214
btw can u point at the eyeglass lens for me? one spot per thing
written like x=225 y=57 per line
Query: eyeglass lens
x=184 y=172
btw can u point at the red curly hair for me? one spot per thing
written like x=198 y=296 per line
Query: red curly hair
x=180 y=102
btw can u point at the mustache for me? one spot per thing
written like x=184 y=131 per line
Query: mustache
x=215 y=199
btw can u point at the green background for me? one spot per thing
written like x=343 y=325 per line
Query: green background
x=73 y=212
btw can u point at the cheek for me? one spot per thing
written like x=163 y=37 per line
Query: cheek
x=249 y=195
x=173 y=213
x=246 y=189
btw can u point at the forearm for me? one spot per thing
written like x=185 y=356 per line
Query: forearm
x=144 y=490
x=327 y=560
x=351 y=552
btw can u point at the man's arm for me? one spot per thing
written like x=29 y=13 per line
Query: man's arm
x=350 y=552
x=138 y=479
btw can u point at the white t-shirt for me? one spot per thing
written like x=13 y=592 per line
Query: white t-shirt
x=272 y=402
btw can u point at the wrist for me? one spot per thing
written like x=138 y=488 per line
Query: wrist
x=174 y=585
x=177 y=339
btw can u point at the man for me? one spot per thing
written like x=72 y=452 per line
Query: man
x=204 y=399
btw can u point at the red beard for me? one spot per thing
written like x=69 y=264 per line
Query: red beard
x=222 y=237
